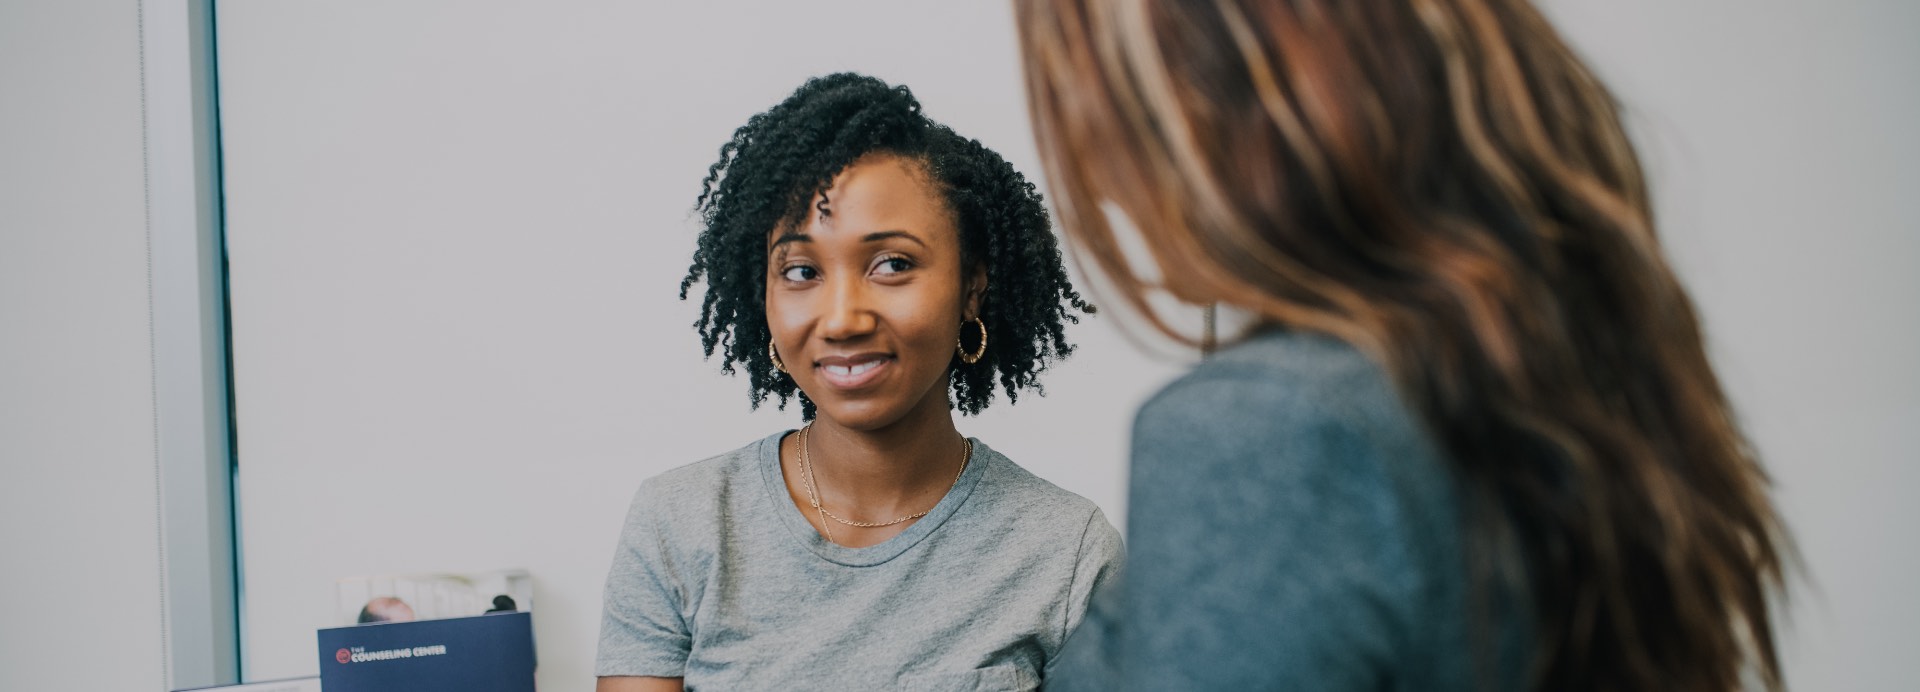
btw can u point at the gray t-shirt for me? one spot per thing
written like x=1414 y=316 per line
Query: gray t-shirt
x=720 y=579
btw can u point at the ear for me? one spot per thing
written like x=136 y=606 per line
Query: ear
x=976 y=291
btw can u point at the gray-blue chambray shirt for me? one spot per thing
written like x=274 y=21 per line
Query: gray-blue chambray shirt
x=720 y=580
x=1291 y=526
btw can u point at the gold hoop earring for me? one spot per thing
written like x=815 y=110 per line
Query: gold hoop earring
x=774 y=353
x=974 y=357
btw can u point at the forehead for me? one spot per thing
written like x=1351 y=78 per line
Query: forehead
x=881 y=192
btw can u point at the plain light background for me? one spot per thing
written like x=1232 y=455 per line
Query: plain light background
x=456 y=229
x=79 y=534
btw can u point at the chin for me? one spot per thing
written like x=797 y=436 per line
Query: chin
x=861 y=415
x=882 y=407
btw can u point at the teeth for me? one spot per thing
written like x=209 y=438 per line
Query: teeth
x=851 y=370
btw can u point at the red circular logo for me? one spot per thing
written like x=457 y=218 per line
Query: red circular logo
x=342 y=656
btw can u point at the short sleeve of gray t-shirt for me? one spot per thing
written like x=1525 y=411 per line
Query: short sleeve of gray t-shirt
x=720 y=580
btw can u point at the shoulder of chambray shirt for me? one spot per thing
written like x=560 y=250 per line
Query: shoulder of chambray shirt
x=1291 y=526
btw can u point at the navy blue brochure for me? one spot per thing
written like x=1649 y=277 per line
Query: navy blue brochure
x=484 y=653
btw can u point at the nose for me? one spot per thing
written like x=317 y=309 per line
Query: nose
x=848 y=312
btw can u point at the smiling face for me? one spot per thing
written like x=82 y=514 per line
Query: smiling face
x=865 y=302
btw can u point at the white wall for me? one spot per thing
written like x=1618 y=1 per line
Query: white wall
x=78 y=500
x=1781 y=139
x=456 y=229
x=457 y=232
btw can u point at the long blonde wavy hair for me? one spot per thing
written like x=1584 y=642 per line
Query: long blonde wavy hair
x=1444 y=185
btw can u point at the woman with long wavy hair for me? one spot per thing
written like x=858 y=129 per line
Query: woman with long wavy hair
x=1474 y=440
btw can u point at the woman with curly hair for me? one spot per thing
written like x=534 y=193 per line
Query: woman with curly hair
x=884 y=271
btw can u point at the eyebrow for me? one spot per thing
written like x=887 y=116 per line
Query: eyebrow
x=876 y=236
x=789 y=237
x=883 y=235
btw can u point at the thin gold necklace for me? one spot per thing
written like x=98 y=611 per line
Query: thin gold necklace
x=813 y=496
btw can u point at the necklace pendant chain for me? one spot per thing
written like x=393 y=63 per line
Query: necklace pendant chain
x=813 y=494
x=806 y=466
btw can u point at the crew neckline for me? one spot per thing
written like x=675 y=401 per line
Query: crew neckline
x=774 y=482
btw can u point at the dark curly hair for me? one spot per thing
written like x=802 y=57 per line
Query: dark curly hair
x=781 y=159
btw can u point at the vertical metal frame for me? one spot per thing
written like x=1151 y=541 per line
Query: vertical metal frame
x=193 y=421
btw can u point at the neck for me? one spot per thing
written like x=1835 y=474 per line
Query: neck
x=878 y=474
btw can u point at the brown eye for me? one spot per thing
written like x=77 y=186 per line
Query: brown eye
x=893 y=265
x=800 y=272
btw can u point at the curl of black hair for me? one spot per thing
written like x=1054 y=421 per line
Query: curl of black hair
x=783 y=158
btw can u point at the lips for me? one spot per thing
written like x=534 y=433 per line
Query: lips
x=853 y=372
